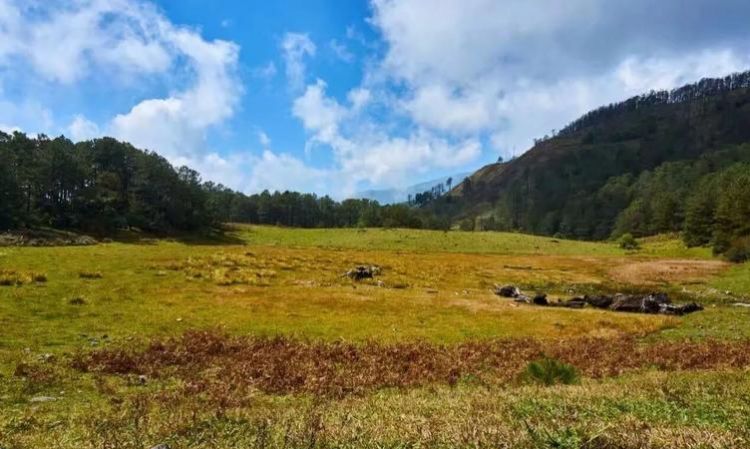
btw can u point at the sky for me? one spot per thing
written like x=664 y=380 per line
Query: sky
x=339 y=96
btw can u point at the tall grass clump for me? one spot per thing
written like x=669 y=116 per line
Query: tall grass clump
x=548 y=371
x=628 y=242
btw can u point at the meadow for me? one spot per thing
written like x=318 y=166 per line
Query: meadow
x=259 y=340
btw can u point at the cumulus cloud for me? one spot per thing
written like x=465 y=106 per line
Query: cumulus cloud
x=517 y=69
x=176 y=125
x=296 y=47
x=362 y=148
x=64 y=43
x=83 y=129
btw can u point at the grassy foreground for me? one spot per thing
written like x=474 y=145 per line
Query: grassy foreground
x=99 y=346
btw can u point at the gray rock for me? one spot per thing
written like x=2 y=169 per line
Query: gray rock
x=507 y=291
x=42 y=399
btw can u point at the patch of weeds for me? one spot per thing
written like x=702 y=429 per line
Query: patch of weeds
x=90 y=275
x=548 y=371
x=77 y=301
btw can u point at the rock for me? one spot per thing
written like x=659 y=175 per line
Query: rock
x=574 y=303
x=682 y=309
x=540 y=299
x=523 y=299
x=161 y=446
x=142 y=379
x=363 y=272
x=639 y=303
x=600 y=302
x=507 y=291
x=42 y=399
x=741 y=304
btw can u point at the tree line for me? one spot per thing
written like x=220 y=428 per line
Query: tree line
x=703 y=89
x=103 y=185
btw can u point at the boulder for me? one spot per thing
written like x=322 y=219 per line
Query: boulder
x=507 y=291
x=651 y=303
x=540 y=299
x=363 y=272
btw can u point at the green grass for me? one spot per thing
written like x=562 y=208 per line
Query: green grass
x=436 y=287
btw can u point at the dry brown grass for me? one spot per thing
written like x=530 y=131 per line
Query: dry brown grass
x=666 y=271
x=210 y=363
x=12 y=277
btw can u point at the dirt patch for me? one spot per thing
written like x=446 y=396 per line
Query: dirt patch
x=210 y=363
x=667 y=271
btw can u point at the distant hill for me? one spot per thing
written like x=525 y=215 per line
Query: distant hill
x=394 y=196
x=627 y=167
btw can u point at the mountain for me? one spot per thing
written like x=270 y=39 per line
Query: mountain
x=604 y=174
x=394 y=196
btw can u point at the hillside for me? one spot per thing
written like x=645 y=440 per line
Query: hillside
x=580 y=182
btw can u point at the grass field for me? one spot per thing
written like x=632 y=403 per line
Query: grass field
x=258 y=340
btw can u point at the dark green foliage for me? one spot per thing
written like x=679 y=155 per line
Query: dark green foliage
x=103 y=185
x=648 y=165
x=628 y=242
x=739 y=250
x=549 y=371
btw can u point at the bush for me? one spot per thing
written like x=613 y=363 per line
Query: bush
x=466 y=224
x=549 y=371
x=739 y=250
x=628 y=242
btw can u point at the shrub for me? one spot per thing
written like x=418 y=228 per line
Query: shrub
x=90 y=275
x=739 y=250
x=549 y=371
x=628 y=242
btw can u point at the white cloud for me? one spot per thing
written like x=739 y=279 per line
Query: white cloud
x=264 y=140
x=296 y=47
x=176 y=125
x=364 y=152
x=83 y=129
x=285 y=172
x=9 y=129
x=265 y=72
x=341 y=51
x=513 y=70
x=67 y=40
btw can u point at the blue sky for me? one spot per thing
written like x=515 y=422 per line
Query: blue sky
x=340 y=96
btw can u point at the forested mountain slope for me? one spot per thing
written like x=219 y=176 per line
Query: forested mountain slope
x=634 y=167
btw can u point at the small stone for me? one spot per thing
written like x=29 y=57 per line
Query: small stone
x=161 y=446
x=142 y=379
x=42 y=399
